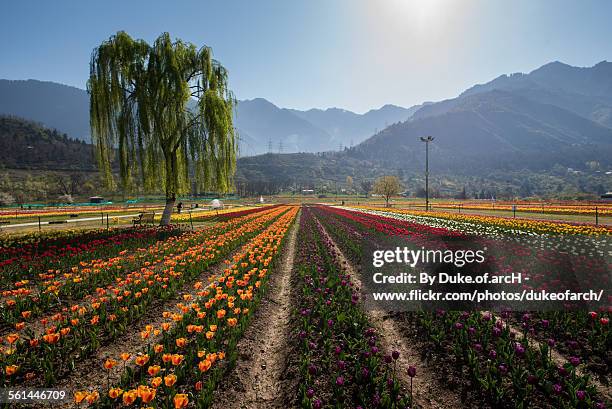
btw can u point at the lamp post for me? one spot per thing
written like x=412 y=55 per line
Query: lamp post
x=427 y=139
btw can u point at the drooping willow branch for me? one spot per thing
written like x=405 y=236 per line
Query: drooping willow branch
x=143 y=110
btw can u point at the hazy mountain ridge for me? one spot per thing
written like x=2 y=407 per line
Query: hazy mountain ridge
x=57 y=106
x=261 y=124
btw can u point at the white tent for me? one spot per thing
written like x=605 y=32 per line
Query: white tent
x=216 y=204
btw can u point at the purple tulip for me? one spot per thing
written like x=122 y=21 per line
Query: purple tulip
x=557 y=389
x=388 y=359
x=310 y=393
x=492 y=354
x=458 y=325
x=545 y=323
x=519 y=349
x=503 y=369
x=317 y=404
x=340 y=381
x=551 y=342
x=477 y=347
x=581 y=395
x=575 y=361
x=532 y=379
x=365 y=372
x=395 y=355
x=312 y=369
x=341 y=365
x=411 y=371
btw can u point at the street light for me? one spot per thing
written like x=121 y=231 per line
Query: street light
x=427 y=139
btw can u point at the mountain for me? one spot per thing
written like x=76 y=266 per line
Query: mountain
x=259 y=122
x=492 y=130
x=348 y=128
x=28 y=145
x=54 y=105
x=586 y=91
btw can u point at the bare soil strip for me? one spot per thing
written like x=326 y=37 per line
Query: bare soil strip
x=428 y=391
x=260 y=378
x=90 y=372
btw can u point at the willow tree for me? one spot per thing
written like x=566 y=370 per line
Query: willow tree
x=165 y=111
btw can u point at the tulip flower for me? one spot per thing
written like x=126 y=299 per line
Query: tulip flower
x=153 y=370
x=170 y=380
x=129 y=397
x=180 y=400
x=11 y=370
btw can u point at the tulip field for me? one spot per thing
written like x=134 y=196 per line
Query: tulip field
x=264 y=307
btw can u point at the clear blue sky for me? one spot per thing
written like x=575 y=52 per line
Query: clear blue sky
x=354 y=54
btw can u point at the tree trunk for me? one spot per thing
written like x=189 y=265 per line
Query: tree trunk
x=165 y=220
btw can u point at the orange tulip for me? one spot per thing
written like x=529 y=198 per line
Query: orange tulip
x=92 y=397
x=220 y=314
x=155 y=382
x=51 y=338
x=114 y=393
x=170 y=380
x=177 y=359
x=181 y=342
x=109 y=364
x=210 y=334
x=166 y=358
x=146 y=394
x=198 y=386
x=129 y=397
x=125 y=356
x=158 y=348
x=12 y=338
x=232 y=322
x=11 y=370
x=180 y=400
x=141 y=360
x=79 y=396
x=19 y=326
x=204 y=365
x=154 y=370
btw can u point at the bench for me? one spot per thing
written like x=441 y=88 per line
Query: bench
x=144 y=218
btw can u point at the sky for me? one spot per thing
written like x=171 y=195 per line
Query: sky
x=351 y=54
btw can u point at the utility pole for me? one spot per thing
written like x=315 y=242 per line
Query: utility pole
x=270 y=145
x=427 y=139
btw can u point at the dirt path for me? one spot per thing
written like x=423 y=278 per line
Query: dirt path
x=89 y=372
x=428 y=391
x=261 y=378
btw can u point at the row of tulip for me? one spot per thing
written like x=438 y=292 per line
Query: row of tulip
x=79 y=330
x=576 y=333
x=511 y=373
x=184 y=358
x=510 y=225
x=342 y=363
x=602 y=209
x=26 y=263
x=73 y=282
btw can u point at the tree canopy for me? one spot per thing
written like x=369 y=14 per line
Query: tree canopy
x=387 y=186
x=166 y=111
